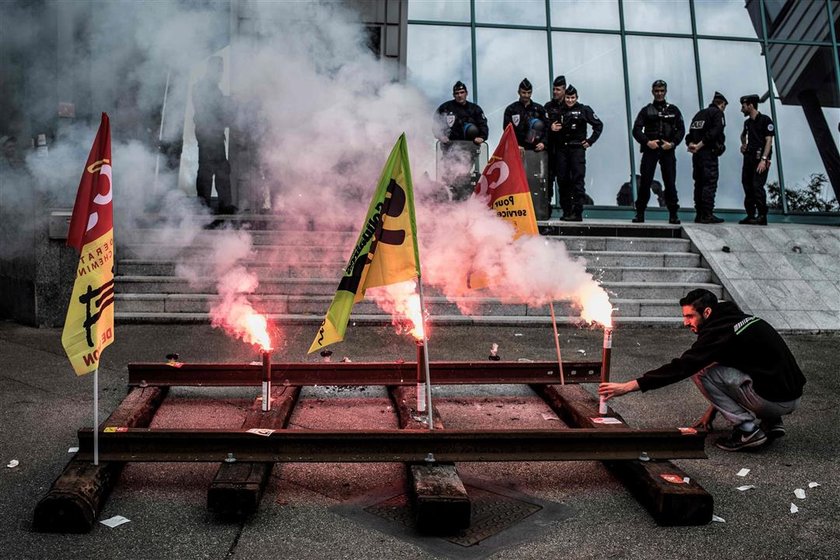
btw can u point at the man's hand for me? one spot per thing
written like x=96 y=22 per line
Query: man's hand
x=667 y=146
x=693 y=148
x=610 y=390
x=706 y=421
x=653 y=144
x=585 y=144
x=743 y=148
x=478 y=140
x=539 y=147
x=762 y=166
x=556 y=126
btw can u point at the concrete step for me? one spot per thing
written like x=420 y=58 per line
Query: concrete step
x=357 y=319
x=327 y=287
x=266 y=271
x=211 y=237
x=130 y=304
x=328 y=249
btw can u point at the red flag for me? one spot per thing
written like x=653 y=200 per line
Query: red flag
x=504 y=184
x=92 y=213
x=89 y=326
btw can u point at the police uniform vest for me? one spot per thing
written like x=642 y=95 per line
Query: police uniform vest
x=456 y=116
x=574 y=120
x=661 y=121
x=756 y=131
x=523 y=117
x=702 y=128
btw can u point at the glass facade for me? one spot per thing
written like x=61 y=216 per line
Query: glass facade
x=612 y=50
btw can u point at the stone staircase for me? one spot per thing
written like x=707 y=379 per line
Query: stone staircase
x=645 y=269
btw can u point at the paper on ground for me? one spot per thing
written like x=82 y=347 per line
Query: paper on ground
x=793 y=508
x=549 y=416
x=813 y=484
x=799 y=493
x=744 y=488
x=73 y=450
x=717 y=519
x=115 y=521
x=743 y=472
x=13 y=463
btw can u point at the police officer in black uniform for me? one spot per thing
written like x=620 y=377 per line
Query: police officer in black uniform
x=553 y=109
x=707 y=142
x=757 y=147
x=528 y=118
x=571 y=160
x=659 y=128
x=461 y=128
x=459 y=119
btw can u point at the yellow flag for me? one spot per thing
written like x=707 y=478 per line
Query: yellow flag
x=386 y=250
x=89 y=326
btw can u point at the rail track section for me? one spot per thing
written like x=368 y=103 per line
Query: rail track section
x=246 y=454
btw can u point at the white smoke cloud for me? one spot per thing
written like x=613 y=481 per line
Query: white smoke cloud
x=318 y=114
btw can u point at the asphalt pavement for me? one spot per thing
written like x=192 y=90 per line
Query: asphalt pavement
x=324 y=510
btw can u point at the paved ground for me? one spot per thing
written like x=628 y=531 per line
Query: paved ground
x=311 y=511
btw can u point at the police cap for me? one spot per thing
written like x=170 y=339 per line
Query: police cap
x=718 y=96
x=751 y=99
x=525 y=85
x=659 y=83
x=459 y=85
x=560 y=81
x=571 y=90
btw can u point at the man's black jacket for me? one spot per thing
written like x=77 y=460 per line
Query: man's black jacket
x=732 y=338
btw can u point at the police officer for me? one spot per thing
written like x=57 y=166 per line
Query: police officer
x=757 y=147
x=553 y=109
x=459 y=119
x=461 y=128
x=659 y=128
x=528 y=118
x=707 y=142
x=571 y=160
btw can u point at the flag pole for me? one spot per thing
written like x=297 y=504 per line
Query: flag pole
x=426 y=364
x=96 y=416
x=557 y=342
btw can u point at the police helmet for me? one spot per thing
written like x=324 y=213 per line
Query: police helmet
x=470 y=131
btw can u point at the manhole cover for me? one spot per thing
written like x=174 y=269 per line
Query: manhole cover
x=500 y=518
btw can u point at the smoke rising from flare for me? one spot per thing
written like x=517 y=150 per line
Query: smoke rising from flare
x=467 y=239
x=235 y=314
x=402 y=301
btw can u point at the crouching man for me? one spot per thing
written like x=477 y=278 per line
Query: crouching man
x=741 y=365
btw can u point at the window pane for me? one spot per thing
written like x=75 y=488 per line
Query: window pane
x=437 y=57
x=734 y=69
x=666 y=16
x=723 y=17
x=803 y=77
x=515 y=12
x=672 y=60
x=504 y=58
x=799 y=149
x=594 y=14
x=439 y=10
x=592 y=63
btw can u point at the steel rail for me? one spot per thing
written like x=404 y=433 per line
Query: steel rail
x=310 y=446
x=359 y=373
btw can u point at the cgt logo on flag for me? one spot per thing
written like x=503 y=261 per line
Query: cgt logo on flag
x=89 y=326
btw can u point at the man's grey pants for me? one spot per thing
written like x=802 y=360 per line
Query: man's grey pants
x=731 y=391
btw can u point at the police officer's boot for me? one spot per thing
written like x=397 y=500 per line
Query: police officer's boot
x=761 y=220
x=673 y=217
x=639 y=218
